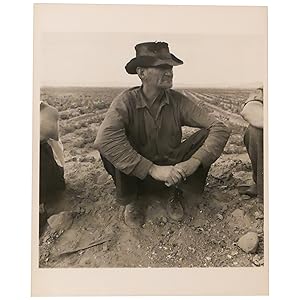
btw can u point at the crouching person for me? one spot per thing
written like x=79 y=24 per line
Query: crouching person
x=51 y=158
x=140 y=138
x=253 y=113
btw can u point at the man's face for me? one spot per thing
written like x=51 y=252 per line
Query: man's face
x=159 y=77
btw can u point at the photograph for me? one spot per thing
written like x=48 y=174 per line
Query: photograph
x=152 y=130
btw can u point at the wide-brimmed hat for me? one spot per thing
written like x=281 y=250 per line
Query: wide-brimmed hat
x=152 y=54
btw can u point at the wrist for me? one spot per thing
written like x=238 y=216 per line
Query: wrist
x=150 y=172
x=195 y=161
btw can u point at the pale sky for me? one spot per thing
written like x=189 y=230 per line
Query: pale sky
x=219 y=46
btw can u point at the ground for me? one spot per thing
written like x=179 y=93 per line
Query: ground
x=213 y=223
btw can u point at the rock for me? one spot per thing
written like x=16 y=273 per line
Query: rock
x=239 y=219
x=256 y=260
x=164 y=220
x=248 y=242
x=61 y=221
x=258 y=215
x=217 y=206
x=220 y=217
x=238 y=213
x=245 y=197
x=221 y=174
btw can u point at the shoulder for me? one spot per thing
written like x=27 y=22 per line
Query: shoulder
x=122 y=100
x=48 y=110
x=175 y=94
x=256 y=96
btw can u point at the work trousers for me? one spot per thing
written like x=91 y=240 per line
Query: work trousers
x=51 y=174
x=128 y=187
x=253 y=140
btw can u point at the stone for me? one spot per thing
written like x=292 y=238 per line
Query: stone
x=245 y=197
x=164 y=220
x=239 y=219
x=217 y=206
x=61 y=221
x=238 y=213
x=258 y=215
x=220 y=217
x=248 y=242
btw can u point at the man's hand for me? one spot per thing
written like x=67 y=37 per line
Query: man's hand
x=189 y=166
x=168 y=174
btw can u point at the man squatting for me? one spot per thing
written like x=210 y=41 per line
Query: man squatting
x=140 y=138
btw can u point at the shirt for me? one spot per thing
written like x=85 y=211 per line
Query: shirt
x=257 y=95
x=252 y=110
x=49 y=131
x=132 y=139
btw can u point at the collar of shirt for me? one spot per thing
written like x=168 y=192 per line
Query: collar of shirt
x=141 y=101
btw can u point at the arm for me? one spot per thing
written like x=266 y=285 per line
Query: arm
x=253 y=112
x=196 y=116
x=48 y=122
x=112 y=142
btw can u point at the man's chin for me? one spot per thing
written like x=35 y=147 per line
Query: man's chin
x=166 y=86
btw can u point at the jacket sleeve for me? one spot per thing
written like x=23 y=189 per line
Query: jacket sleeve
x=113 y=144
x=196 y=115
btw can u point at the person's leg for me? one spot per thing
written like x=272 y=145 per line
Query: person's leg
x=51 y=174
x=51 y=180
x=127 y=188
x=194 y=184
x=253 y=140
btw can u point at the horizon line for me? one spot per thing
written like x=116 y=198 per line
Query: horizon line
x=130 y=86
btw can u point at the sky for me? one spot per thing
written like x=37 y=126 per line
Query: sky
x=90 y=45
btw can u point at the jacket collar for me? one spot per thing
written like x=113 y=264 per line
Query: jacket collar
x=141 y=101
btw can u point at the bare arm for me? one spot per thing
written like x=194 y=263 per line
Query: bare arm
x=48 y=122
x=253 y=112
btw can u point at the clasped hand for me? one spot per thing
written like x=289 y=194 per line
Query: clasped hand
x=172 y=175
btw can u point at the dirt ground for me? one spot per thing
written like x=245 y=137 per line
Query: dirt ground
x=213 y=223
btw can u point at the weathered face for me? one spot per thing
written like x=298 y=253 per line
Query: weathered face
x=160 y=77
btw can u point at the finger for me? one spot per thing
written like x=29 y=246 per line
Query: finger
x=181 y=172
x=176 y=177
x=169 y=182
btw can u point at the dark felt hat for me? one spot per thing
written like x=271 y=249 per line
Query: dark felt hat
x=152 y=54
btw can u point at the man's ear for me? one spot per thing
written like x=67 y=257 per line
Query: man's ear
x=141 y=72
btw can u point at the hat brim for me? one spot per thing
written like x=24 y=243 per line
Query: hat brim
x=149 y=61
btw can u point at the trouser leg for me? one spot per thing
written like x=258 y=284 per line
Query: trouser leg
x=51 y=174
x=253 y=140
x=126 y=186
x=51 y=180
x=196 y=182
